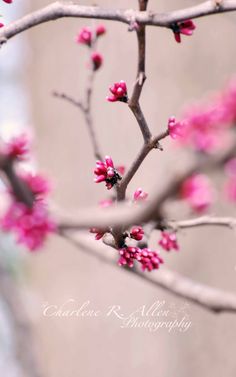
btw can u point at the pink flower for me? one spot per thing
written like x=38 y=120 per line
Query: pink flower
x=100 y=30
x=118 y=92
x=17 y=147
x=198 y=192
x=98 y=233
x=1 y=24
x=31 y=225
x=168 y=241
x=140 y=195
x=85 y=36
x=149 y=259
x=183 y=27
x=96 y=60
x=8 y=1
x=137 y=233
x=106 y=172
x=175 y=128
x=37 y=184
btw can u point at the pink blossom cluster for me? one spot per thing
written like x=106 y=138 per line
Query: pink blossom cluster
x=8 y=1
x=206 y=127
x=198 y=192
x=88 y=37
x=30 y=224
x=230 y=186
x=169 y=241
x=118 y=92
x=17 y=147
x=106 y=172
x=149 y=260
x=183 y=27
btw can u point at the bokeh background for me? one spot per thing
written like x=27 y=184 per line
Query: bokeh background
x=32 y=66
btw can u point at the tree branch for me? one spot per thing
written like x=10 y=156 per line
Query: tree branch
x=18 y=186
x=86 y=111
x=209 y=298
x=59 y=10
x=228 y=222
x=143 y=213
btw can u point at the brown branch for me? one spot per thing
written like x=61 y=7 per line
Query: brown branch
x=86 y=111
x=145 y=150
x=209 y=298
x=123 y=216
x=59 y=10
x=69 y=99
x=228 y=222
x=18 y=186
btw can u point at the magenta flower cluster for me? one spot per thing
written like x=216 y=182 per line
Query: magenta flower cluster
x=106 y=172
x=31 y=225
x=206 y=127
x=149 y=260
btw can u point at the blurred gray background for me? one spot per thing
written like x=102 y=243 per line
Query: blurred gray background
x=176 y=75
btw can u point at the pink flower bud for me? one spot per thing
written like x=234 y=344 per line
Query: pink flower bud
x=183 y=27
x=85 y=36
x=137 y=233
x=100 y=30
x=96 y=60
x=140 y=195
x=105 y=172
x=175 y=128
x=119 y=92
x=168 y=241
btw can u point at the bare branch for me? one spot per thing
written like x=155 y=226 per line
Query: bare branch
x=59 y=10
x=122 y=216
x=69 y=99
x=86 y=110
x=209 y=298
x=18 y=186
x=228 y=222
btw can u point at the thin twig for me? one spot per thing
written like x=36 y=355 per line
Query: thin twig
x=69 y=99
x=86 y=111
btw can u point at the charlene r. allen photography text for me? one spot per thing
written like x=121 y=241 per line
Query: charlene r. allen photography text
x=153 y=316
